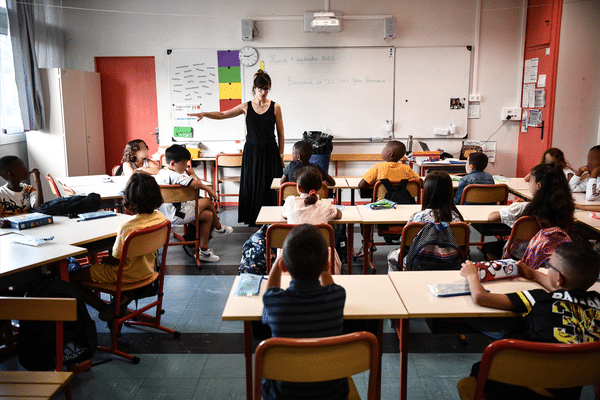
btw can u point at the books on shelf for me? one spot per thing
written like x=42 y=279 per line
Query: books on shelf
x=30 y=220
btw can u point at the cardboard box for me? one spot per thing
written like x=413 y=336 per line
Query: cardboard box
x=30 y=220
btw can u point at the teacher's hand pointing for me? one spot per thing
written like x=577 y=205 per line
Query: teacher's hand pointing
x=197 y=115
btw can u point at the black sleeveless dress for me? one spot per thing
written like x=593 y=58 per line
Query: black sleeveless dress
x=261 y=163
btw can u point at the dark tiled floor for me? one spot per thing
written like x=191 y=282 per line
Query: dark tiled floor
x=207 y=361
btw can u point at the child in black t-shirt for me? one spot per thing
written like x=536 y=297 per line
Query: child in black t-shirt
x=301 y=153
x=569 y=313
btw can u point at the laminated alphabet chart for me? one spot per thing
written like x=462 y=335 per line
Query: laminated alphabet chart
x=203 y=80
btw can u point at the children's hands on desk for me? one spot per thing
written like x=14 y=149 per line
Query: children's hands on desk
x=468 y=269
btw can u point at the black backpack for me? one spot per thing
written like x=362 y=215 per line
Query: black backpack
x=36 y=345
x=71 y=205
x=434 y=248
x=399 y=194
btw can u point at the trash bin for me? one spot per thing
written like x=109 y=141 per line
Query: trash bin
x=322 y=144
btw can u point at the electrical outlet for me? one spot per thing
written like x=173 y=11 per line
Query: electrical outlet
x=514 y=113
x=474 y=97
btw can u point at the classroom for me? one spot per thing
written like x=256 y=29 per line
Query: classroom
x=135 y=46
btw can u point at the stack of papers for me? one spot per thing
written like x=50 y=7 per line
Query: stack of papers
x=248 y=285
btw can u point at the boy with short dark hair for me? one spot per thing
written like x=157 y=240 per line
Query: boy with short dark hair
x=177 y=172
x=301 y=153
x=312 y=306
x=391 y=169
x=17 y=197
x=569 y=313
x=476 y=175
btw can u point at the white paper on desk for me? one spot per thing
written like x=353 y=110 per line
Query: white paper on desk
x=29 y=240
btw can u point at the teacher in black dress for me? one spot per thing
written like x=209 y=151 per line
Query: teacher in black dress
x=263 y=155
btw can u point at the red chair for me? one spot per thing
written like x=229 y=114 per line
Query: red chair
x=226 y=161
x=535 y=365
x=523 y=230
x=143 y=241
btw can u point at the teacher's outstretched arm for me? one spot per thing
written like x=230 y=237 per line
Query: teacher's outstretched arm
x=234 y=112
x=279 y=127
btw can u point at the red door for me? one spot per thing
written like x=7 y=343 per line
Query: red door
x=129 y=105
x=541 y=42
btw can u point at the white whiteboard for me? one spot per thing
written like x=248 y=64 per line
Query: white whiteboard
x=426 y=79
x=350 y=90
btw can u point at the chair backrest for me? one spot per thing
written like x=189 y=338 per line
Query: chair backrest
x=539 y=365
x=53 y=186
x=228 y=160
x=413 y=187
x=276 y=234
x=114 y=170
x=146 y=241
x=289 y=189
x=461 y=231
x=178 y=193
x=524 y=229
x=316 y=360
x=485 y=194
x=41 y=309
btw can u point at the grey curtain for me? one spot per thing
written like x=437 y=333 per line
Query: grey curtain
x=21 y=23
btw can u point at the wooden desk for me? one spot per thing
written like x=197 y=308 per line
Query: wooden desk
x=367 y=297
x=420 y=303
x=350 y=216
x=520 y=188
x=340 y=183
x=585 y=217
x=74 y=237
x=15 y=257
x=454 y=167
x=339 y=157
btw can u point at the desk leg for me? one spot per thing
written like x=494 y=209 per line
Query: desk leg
x=380 y=340
x=248 y=357
x=352 y=197
x=366 y=247
x=63 y=270
x=402 y=332
x=350 y=246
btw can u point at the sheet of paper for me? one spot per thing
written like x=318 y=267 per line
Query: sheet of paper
x=540 y=98
x=524 y=121
x=180 y=114
x=542 y=80
x=531 y=70
x=473 y=111
x=535 y=117
x=531 y=89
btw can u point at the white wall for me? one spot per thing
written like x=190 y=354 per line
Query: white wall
x=577 y=110
x=149 y=28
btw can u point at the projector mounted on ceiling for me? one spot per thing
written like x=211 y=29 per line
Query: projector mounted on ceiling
x=322 y=21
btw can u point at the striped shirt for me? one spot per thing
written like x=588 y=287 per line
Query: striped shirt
x=305 y=310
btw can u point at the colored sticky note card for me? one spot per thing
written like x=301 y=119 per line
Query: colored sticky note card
x=230 y=90
x=183 y=132
x=228 y=58
x=229 y=74
x=229 y=104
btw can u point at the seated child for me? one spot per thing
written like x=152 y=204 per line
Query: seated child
x=556 y=156
x=177 y=172
x=312 y=307
x=135 y=159
x=572 y=270
x=17 y=197
x=476 y=174
x=307 y=208
x=438 y=200
x=141 y=197
x=391 y=169
x=301 y=153
x=586 y=177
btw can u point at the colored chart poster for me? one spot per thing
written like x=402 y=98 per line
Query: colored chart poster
x=205 y=80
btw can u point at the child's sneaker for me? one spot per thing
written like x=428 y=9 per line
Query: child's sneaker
x=208 y=255
x=223 y=231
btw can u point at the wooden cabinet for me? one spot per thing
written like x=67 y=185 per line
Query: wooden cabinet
x=73 y=142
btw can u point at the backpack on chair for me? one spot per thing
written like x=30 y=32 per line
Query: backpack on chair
x=434 y=248
x=400 y=195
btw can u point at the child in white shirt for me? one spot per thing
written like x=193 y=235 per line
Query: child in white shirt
x=586 y=177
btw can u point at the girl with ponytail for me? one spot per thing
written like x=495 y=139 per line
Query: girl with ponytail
x=307 y=207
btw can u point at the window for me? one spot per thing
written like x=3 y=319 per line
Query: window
x=10 y=112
